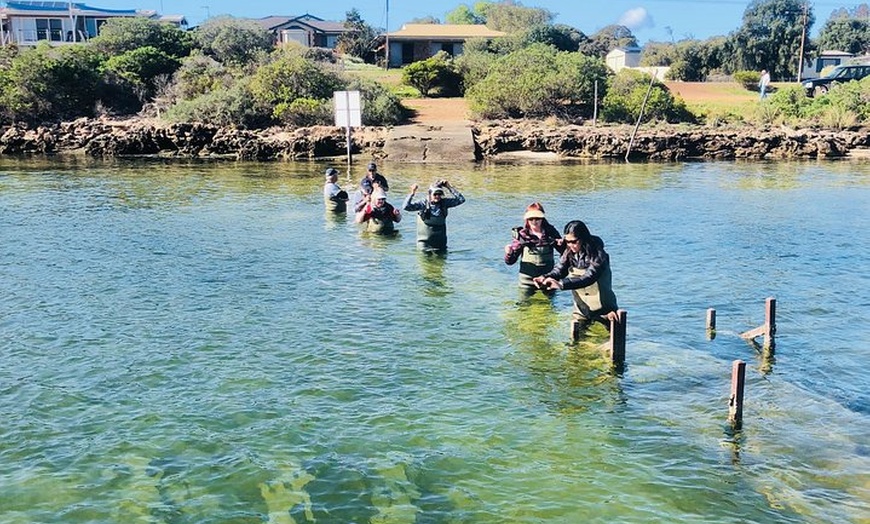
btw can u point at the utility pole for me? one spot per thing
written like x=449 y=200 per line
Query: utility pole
x=387 y=38
x=800 y=67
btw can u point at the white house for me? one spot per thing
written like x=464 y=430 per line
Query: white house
x=26 y=23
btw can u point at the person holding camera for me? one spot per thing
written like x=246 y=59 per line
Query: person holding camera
x=534 y=245
x=432 y=214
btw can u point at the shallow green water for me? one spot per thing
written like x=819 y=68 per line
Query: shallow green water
x=201 y=343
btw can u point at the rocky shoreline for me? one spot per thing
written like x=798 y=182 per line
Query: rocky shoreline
x=102 y=138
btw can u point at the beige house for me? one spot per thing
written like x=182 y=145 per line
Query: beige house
x=414 y=42
x=27 y=23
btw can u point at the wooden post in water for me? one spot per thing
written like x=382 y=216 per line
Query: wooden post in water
x=575 y=331
x=711 y=324
x=617 y=338
x=769 y=322
x=769 y=327
x=735 y=401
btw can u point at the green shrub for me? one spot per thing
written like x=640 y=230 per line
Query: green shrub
x=538 y=81
x=140 y=68
x=199 y=75
x=435 y=72
x=790 y=101
x=289 y=76
x=305 y=112
x=748 y=79
x=226 y=107
x=626 y=94
x=47 y=83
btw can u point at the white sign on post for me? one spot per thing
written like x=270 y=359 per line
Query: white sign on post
x=348 y=109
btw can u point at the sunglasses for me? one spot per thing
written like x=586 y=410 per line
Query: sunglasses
x=575 y=241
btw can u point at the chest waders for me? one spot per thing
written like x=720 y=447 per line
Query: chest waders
x=335 y=206
x=432 y=232
x=381 y=223
x=593 y=300
x=535 y=261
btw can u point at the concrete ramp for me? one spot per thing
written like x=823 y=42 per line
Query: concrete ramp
x=430 y=143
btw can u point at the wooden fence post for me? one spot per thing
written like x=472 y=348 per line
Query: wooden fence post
x=617 y=338
x=711 y=324
x=768 y=329
x=735 y=401
x=769 y=322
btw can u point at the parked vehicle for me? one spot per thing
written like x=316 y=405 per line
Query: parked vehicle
x=841 y=73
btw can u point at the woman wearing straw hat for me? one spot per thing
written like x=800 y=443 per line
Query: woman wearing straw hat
x=534 y=246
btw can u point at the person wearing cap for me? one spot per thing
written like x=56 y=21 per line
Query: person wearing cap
x=379 y=215
x=334 y=197
x=373 y=180
x=534 y=245
x=584 y=268
x=432 y=214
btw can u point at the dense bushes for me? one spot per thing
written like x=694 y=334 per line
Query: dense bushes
x=434 y=73
x=538 y=81
x=625 y=98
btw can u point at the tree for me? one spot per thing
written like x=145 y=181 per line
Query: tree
x=626 y=94
x=464 y=15
x=140 y=69
x=234 y=41
x=360 y=40
x=512 y=17
x=119 y=35
x=851 y=35
x=425 y=20
x=770 y=37
x=562 y=37
x=607 y=39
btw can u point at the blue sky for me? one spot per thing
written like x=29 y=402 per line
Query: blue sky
x=659 y=20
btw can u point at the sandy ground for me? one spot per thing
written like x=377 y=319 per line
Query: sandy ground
x=455 y=110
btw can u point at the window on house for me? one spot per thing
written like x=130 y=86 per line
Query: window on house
x=49 y=29
x=447 y=48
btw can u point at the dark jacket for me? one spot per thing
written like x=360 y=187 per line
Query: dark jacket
x=367 y=184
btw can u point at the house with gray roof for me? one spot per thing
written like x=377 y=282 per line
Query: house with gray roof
x=306 y=29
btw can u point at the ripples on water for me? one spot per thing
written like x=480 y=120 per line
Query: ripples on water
x=199 y=343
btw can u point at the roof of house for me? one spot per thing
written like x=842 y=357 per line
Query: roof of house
x=274 y=23
x=40 y=7
x=836 y=52
x=444 y=31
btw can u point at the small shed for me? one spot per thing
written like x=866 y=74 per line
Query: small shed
x=623 y=57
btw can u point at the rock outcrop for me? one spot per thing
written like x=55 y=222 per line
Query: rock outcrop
x=137 y=137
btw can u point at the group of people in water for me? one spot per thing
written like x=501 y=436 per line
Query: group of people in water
x=548 y=260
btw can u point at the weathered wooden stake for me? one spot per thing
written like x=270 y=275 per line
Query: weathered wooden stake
x=769 y=322
x=711 y=323
x=769 y=327
x=617 y=338
x=575 y=331
x=735 y=402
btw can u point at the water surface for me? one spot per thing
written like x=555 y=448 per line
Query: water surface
x=198 y=342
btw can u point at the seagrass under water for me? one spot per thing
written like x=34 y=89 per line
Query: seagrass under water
x=196 y=342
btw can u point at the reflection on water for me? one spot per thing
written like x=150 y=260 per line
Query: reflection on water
x=199 y=342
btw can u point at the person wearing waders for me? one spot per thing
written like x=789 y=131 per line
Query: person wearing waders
x=334 y=197
x=432 y=214
x=378 y=215
x=535 y=246
x=584 y=268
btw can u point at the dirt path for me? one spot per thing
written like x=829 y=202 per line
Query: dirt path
x=438 y=110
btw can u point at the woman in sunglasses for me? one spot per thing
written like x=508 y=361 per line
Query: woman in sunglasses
x=584 y=269
x=534 y=245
